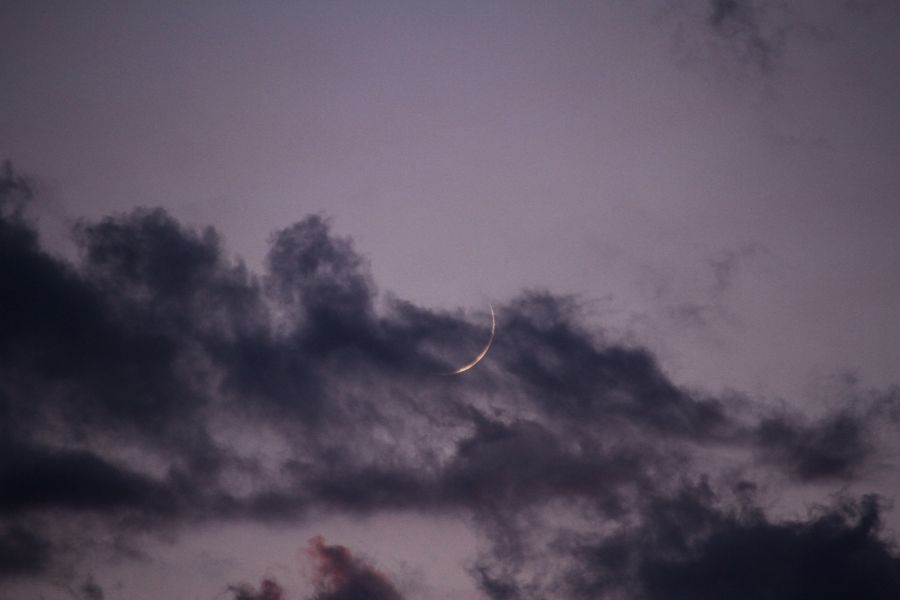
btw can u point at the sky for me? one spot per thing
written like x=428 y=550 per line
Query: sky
x=242 y=245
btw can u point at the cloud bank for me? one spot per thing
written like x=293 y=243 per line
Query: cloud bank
x=156 y=383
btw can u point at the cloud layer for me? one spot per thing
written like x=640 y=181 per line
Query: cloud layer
x=156 y=384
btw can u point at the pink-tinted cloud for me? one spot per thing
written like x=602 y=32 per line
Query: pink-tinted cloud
x=337 y=575
x=341 y=576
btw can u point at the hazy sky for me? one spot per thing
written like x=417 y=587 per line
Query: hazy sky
x=686 y=214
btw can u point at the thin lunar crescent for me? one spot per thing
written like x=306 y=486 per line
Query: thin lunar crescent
x=482 y=354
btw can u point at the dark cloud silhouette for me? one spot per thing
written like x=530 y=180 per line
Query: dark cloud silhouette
x=835 y=447
x=499 y=468
x=35 y=478
x=341 y=576
x=91 y=590
x=119 y=373
x=22 y=552
x=337 y=575
x=692 y=545
x=268 y=590
x=834 y=555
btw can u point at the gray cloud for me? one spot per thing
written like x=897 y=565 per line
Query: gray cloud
x=741 y=23
x=35 y=478
x=268 y=590
x=338 y=575
x=752 y=37
x=835 y=447
x=22 y=552
x=91 y=590
x=154 y=338
x=341 y=576
x=709 y=553
x=695 y=544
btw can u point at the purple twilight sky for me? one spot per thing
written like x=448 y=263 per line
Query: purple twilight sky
x=686 y=215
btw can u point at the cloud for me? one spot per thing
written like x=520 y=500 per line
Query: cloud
x=155 y=383
x=341 y=576
x=742 y=24
x=571 y=374
x=837 y=554
x=337 y=575
x=836 y=447
x=752 y=38
x=37 y=478
x=91 y=590
x=268 y=590
x=691 y=545
x=22 y=552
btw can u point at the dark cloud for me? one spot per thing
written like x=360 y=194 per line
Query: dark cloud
x=321 y=278
x=836 y=555
x=268 y=590
x=341 y=576
x=15 y=191
x=690 y=547
x=22 y=552
x=132 y=378
x=498 y=468
x=96 y=351
x=34 y=478
x=571 y=374
x=835 y=447
x=337 y=575
x=502 y=468
x=91 y=590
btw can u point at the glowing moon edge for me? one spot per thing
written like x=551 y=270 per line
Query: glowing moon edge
x=484 y=352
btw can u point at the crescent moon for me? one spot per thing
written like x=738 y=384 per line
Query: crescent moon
x=481 y=354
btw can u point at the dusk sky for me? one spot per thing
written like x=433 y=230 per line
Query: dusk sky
x=242 y=245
